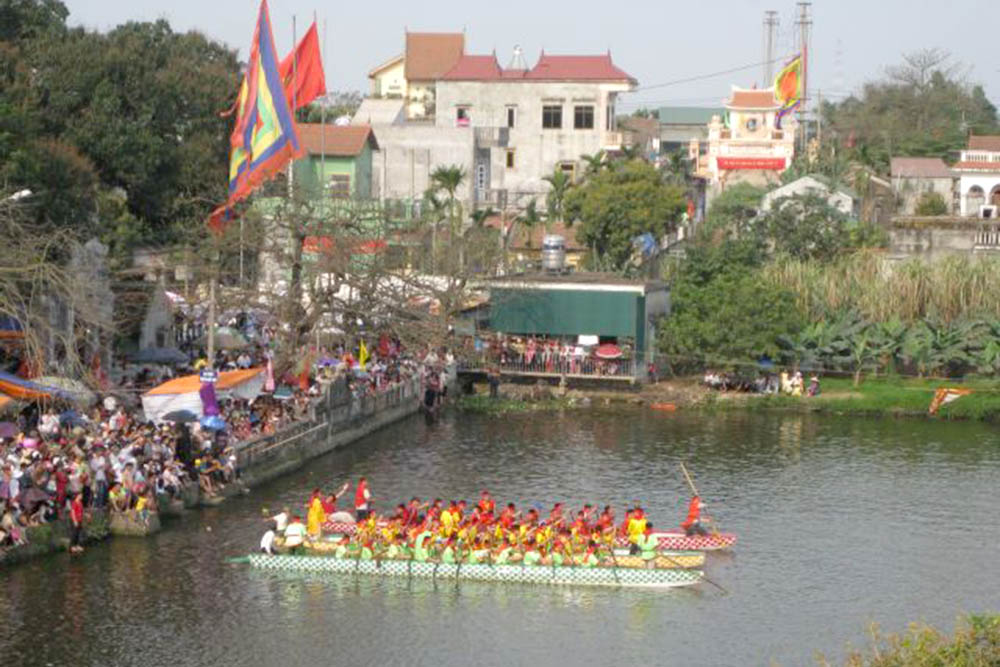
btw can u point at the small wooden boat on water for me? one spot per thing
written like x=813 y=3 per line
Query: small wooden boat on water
x=681 y=542
x=535 y=574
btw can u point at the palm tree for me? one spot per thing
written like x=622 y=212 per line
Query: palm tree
x=480 y=216
x=529 y=217
x=437 y=211
x=449 y=179
x=555 y=200
x=594 y=162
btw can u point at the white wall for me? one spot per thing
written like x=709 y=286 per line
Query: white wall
x=537 y=151
x=410 y=152
x=985 y=181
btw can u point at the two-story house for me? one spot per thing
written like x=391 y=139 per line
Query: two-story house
x=978 y=171
x=526 y=123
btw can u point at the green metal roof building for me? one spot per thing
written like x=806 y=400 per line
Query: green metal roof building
x=582 y=304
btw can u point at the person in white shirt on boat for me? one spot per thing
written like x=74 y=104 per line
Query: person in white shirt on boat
x=267 y=543
x=280 y=521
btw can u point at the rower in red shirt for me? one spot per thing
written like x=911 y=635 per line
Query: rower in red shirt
x=362 y=496
x=692 y=525
x=507 y=516
x=486 y=503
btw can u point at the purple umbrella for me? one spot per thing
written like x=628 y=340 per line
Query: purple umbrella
x=8 y=429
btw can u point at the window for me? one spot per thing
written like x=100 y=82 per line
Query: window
x=481 y=180
x=510 y=158
x=340 y=186
x=583 y=118
x=568 y=168
x=462 y=116
x=511 y=117
x=552 y=117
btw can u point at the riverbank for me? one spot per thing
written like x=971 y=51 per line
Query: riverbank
x=54 y=537
x=874 y=397
x=339 y=420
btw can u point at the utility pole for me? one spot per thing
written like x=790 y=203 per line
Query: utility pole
x=770 y=28
x=804 y=24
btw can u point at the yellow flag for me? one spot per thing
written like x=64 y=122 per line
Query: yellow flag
x=362 y=355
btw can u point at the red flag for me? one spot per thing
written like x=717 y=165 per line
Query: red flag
x=305 y=66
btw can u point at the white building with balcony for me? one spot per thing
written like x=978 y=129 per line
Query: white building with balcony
x=508 y=128
x=526 y=123
x=747 y=144
x=978 y=172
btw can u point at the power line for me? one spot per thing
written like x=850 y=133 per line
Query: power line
x=711 y=75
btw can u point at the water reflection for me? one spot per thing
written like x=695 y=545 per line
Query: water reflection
x=841 y=521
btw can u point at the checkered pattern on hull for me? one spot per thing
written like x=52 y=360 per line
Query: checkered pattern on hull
x=682 y=542
x=539 y=574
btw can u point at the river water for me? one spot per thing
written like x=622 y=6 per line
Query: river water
x=842 y=522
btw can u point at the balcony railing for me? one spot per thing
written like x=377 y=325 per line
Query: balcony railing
x=614 y=139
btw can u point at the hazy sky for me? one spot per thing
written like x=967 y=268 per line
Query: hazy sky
x=657 y=42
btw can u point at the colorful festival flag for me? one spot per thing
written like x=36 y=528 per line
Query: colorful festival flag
x=788 y=87
x=944 y=396
x=362 y=355
x=305 y=66
x=264 y=139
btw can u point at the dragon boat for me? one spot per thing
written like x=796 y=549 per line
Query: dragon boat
x=667 y=541
x=638 y=577
x=681 y=542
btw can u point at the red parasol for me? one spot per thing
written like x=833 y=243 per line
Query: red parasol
x=608 y=351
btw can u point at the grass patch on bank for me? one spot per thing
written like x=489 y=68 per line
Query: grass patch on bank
x=975 y=643
x=499 y=406
x=893 y=397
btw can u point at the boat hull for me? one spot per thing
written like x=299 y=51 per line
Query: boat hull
x=537 y=574
x=682 y=542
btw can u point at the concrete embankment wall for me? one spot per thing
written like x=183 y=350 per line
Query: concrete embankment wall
x=339 y=421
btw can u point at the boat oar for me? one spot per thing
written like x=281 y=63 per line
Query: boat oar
x=238 y=560
x=703 y=576
x=694 y=491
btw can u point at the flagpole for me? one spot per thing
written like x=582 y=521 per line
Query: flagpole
x=322 y=111
x=295 y=85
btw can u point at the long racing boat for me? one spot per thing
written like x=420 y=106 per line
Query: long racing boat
x=535 y=574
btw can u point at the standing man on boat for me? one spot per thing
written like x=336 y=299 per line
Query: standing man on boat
x=362 y=500
x=692 y=524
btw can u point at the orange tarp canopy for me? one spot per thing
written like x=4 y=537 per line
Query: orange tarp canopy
x=4 y=400
x=189 y=383
x=25 y=392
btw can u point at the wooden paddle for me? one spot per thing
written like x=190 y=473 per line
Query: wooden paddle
x=694 y=491
x=703 y=576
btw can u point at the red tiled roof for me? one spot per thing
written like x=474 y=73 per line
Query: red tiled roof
x=343 y=141
x=549 y=68
x=752 y=99
x=979 y=166
x=429 y=55
x=577 y=68
x=919 y=167
x=986 y=142
x=474 y=68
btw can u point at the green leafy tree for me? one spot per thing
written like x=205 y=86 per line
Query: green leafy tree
x=806 y=227
x=614 y=207
x=595 y=162
x=555 y=201
x=31 y=19
x=922 y=106
x=932 y=203
x=733 y=210
x=722 y=311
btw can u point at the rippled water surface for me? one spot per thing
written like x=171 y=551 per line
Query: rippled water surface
x=841 y=521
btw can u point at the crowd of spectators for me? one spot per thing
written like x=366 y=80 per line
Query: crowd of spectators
x=791 y=384
x=110 y=458
x=542 y=354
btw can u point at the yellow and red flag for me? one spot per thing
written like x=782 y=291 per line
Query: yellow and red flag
x=264 y=139
x=788 y=87
x=944 y=396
